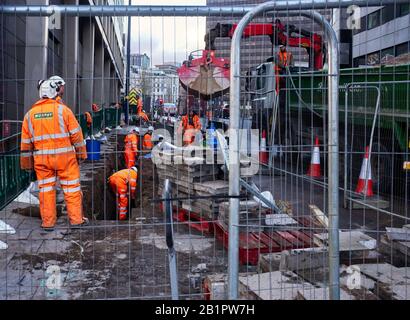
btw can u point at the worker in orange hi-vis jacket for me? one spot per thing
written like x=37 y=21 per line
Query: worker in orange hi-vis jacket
x=147 y=140
x=51 y=144
x=284 y=60
x=89 y=120
x=189 y=126
x=131 y=147
x=124 y=184
x=140 y=111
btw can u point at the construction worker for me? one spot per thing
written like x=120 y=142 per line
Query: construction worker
x=189 y=126
x=147 y=140
x=284 y=59
x=124 y=184
x=52 y=143
x=140 y=112
x=131 y=147
x=89 y=120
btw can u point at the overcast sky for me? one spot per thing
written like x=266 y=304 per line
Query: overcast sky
x=167 y=39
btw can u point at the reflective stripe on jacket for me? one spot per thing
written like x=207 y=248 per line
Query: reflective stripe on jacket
x=50 y=128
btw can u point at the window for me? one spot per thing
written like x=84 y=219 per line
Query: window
x=359 y=61
x=373 y=58
x=403 y=9
x=373 y=20
x=386 y=55
x=402 y=48
x=387 y=14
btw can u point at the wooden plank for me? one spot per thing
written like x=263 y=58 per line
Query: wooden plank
x=319 y=215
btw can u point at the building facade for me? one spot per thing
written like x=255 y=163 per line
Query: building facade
x=384 y=34
x=86 y=51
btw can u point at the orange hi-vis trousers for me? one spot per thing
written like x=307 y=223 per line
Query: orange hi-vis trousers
x=65 y=167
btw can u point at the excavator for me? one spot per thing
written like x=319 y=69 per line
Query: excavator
x=207 y=76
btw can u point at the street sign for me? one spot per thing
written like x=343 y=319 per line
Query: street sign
x=133 y=96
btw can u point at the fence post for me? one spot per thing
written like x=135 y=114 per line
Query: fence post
x=333 y=147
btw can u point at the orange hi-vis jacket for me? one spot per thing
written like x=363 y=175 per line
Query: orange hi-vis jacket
x=196 y=123
x=119 y=183
x=188 y=129
x=130 y=149
x=283 y=59
x=50 y=128
x=89 y=118
x=147 y=142
x=51 y=140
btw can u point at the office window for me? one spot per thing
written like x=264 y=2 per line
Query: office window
x=373 y=58
x=373 y=20
x=387 y=14
x=386 y=54
x=402 y=48
x=403 y=9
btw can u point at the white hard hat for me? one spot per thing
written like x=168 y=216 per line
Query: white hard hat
x=136 y=129
x=47 y=89
x=150 y=128
x=57 y=80
x=134 y=168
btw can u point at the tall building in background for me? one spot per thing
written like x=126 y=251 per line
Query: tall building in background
x=140 y=60
x=384 y=35
x=86 y=51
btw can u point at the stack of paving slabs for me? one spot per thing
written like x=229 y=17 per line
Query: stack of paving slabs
x=251 y=215
x=191 y=180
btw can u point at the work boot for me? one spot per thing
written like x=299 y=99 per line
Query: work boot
x=48 y=229
x=80 y=225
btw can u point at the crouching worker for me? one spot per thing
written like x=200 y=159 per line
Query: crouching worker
x=52 y=143
x=124 y=183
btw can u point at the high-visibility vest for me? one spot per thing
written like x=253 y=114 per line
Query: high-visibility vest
x=50 y=128
x=89 y=118
x=124 y=177
x=147 y=143
x=131 y=142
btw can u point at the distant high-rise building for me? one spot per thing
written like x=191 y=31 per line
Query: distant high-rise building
x=140 y=60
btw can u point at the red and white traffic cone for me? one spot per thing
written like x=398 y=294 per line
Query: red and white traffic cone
x=365 y=177
x=263 y=154
x=314 y=170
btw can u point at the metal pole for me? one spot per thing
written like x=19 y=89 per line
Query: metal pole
x=333 y=154
x=182 y=11
x=333 y=142
x=128 y=71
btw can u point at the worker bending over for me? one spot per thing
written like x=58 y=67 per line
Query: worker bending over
x=284 y=59
x=140 y=112
x=147 y=140
x=131 y=147
x=189 y=126
x=51 y=143
x=124 y=184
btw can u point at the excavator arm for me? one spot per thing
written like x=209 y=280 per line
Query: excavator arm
x=278 y=34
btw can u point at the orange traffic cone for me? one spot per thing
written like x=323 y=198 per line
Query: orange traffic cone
x=365 y=177
x=314 y=167
x=263 y=154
